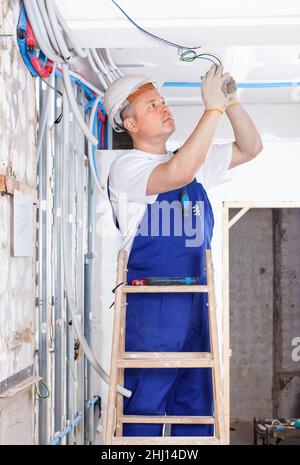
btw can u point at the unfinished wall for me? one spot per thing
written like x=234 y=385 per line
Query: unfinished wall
x=17 y=275
x=251 y=315
x=287 y=375
x=264 y=314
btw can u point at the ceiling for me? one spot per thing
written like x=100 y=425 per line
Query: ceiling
x=257 y=41
x=246 y=64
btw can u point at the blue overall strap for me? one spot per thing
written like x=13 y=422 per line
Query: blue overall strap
x=113 y=213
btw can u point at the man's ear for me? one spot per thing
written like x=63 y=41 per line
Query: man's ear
x=129 y=124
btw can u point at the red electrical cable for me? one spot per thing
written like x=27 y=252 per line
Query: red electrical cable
x=103 y=120
x=31 y=45
x=103 y=135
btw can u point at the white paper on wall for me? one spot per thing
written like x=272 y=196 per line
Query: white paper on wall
x=22 y=225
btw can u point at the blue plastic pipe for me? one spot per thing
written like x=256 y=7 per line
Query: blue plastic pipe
x=75 y=422
x=241 y=85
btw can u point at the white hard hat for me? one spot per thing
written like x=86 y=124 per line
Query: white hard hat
x=121 y=92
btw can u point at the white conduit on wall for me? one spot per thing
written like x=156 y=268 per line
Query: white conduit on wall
x=67 y=256
x=56 y=41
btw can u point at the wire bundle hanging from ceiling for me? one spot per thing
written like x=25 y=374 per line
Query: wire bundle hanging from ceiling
x=46 y=41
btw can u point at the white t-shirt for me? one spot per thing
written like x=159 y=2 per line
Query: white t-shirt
x=128 y=178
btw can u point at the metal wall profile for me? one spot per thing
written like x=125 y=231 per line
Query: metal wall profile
x=18 y=378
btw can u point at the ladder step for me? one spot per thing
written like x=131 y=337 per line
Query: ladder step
x=157 y=440
x=166 y=360
x=157 y=289
x=167 y=355
x=164 y=419
x=121 y=359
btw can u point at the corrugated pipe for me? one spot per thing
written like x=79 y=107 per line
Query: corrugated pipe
x=75 y=422
x=241 y=85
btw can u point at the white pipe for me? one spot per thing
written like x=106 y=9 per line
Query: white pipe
x=111 y=71
x=90 y=149
x=73 y=104
x=100 y=65
x=34 y=18
x=65 y=52
x=97 y=71
x=44 y=119
x=117 y=71
x=100 y=59
x=87 y=83
x=81 y=52
x=44 y=15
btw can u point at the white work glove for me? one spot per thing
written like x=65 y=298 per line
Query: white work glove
x=232 y=92
x=213 y=89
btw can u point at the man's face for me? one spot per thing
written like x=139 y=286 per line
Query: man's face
x=153 y=119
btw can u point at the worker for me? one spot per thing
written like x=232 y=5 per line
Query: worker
x=150 y=176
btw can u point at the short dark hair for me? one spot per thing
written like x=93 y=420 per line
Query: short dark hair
x=127 y=112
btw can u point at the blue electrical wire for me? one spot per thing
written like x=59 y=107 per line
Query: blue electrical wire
x=77 y=81
x=21 y=39
x=93 y=147
x=241 y=85
x=167 y=42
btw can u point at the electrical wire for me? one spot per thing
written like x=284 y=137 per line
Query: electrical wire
x=94 y=67
x=62 y=46
x=117 y=70
x=49 y=32
x=191 y=55
x=164 y=41
x=182 y=50
x=107 y=70
x=79 y=51
x=74 y=106
x=31 y=46
x=92 y=165
x=21 y=40
x=45 y=18
x=40 y=32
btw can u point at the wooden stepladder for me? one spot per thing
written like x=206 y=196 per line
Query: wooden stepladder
x=121 y=360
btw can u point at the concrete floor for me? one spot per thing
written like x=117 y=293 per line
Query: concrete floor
x=242 y=434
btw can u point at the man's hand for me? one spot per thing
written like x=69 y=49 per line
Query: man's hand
x=214 y=90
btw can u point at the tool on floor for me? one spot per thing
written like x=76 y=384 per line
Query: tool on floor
x=121 y=360
x=166 y=281
x=275 y=429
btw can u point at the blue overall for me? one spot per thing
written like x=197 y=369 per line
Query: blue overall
x=169 y=321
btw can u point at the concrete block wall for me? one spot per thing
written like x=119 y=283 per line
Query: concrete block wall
x=264 y=314
x=251 y=315
x=288 y=369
